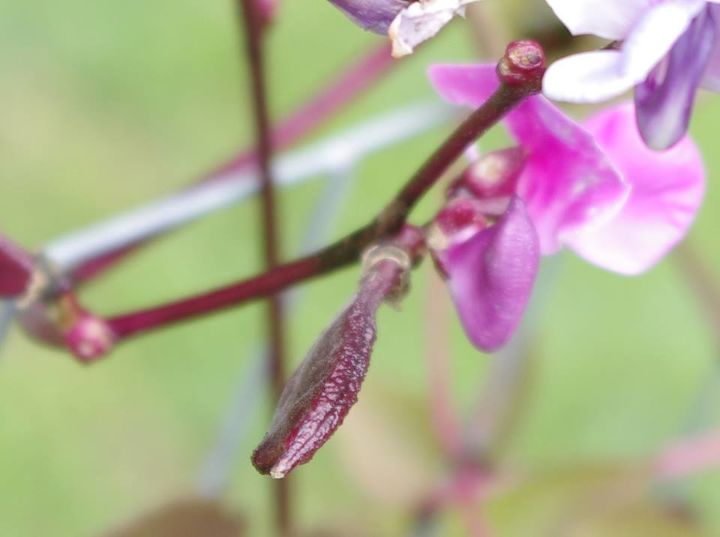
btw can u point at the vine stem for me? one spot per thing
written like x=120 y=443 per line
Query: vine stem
x=512 y=90
x=250 y=18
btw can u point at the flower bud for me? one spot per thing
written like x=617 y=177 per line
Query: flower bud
x=89 y=338
x=523 y=63
x=86 y=335
x=325 y=386
x=494 y=174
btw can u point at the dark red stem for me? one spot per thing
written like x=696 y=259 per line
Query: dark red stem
x=342 y=90
x=251 y=19
x=346 y=250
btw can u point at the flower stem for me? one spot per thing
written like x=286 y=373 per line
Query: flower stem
x=250 y=18
x=348 y=249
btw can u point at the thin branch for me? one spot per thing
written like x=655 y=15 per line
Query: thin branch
x=251 y=21
x=348 y=249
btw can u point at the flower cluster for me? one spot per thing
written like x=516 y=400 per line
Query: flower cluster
x=593 y=187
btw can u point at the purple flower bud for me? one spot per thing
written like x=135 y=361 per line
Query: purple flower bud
x=494 y=174
x=459 y=219
x=325 y=386
x=373 y=15
x=16 y=269
x=491 y=274
x=89 y=337
x=524 y=62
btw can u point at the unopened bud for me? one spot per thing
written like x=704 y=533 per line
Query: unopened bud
x=89 y=338
x=86 y=335
x=523 y=64
x=494 y=174
x=325 y=386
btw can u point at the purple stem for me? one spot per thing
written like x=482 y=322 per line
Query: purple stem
x=251 y=19
x=347 y=250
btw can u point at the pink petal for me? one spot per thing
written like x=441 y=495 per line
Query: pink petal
x=490 y=277
x=667 y=189
x=568 y=181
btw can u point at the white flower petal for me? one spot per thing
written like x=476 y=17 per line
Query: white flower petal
x=597 y=76
x=611 y=19
x=589 y=77
x=420 y=21
x=655 y=34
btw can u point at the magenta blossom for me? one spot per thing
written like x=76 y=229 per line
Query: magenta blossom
x=666 y=50
x=490 y=269
x=596 y=189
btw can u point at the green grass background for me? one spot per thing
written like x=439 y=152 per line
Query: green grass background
x=104 y=105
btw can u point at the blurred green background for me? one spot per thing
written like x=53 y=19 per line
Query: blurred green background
x=107 y=104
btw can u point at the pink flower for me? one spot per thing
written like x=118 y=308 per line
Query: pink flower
x=490 y=269
x=596 y=189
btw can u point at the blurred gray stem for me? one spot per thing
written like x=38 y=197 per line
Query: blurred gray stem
x=7 y=312
x=337 y=152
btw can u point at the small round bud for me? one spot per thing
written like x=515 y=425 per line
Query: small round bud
x=89 y=338
x=494 y=174
x=523 y=64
